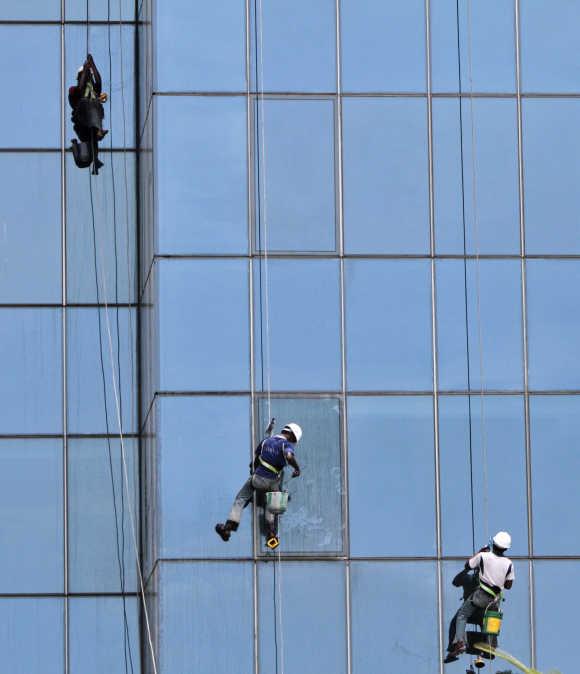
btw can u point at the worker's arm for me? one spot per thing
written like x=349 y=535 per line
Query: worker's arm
x=473 y=562
x=510 y=577
x=96 y=75
x=508 y=584
x=291 y=460
x=256 y=462
x=82 y=82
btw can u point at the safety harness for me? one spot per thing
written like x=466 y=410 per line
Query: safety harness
x=269 y=466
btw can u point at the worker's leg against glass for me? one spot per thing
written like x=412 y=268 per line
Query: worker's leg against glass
x=243 y=497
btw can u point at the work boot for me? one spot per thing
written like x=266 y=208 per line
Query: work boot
x=457 y=650
x=222 y=532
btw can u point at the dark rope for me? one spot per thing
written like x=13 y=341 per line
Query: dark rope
x=87 y=36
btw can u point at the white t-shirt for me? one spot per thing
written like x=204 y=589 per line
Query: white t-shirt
x=493 y=569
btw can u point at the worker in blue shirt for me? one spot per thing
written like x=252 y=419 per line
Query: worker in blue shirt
x=270 y=458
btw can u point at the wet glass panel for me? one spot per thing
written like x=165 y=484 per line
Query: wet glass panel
x=101 y=370
x=202 y=607
x=31 y=362
x=30 y=266
x=494 y=319
x=196 y=494
x=490 y=195
x=31 y=10
x=553 y=323
x=100 y=10
x=294 y=46
x=313 y=522
x=551 y=147
x=32 y=635
x=294 y=175
x=496 y=466
x=388 y=325
x=487 y=44
x=204 y=325
x=101 y=227
x=202 y=180
x=383 y=45
x=113 y=51
x=101 y=507
x=394 y=613
x=25 y=121
x=393 y=436
x=557 y=595
x=104 y=635
x=386 y=192
x=288 y=358
x=313 y=623
x=555 y=434
x=31 y=516
x=201 y=46
x=549 y=45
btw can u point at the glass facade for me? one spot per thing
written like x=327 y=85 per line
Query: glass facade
x=359 y=215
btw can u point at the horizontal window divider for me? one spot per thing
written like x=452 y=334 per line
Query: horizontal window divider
x=57 y=150
x=331 y=255
x=325 y=95
x=69 y=305
x=66 y=595
x=66 y=22
x=60 y=436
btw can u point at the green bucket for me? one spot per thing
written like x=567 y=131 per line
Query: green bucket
x=492 y=622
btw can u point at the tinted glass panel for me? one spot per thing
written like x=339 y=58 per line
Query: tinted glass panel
x=202 y=177
x=388 y=319
x=394 y=601
x=375 y=36
x=30 y=362
x=31 y=10
x=100 y=512
x=394 y=436
x=306 y=358
x=551 y=148
x=294 y=175
x=494 y=319
x=555 y=434
x=386 y=195
x=313 y=522
x=100 y=10
x=30 y=228
x=203 y=323
x=31 y=516
x=312 y=595
x=497 y=470
x=553 y=323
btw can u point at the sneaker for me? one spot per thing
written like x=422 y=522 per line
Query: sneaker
x=457 y=650
x=222 y=532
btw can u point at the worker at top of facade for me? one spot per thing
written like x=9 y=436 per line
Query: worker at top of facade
x=496 y=573
x=270 y=458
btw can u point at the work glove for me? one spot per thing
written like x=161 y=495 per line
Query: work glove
x=296 y=472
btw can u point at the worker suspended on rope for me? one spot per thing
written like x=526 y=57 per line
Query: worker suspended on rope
x=495 y=573
x=266 y=472
x=86 y=98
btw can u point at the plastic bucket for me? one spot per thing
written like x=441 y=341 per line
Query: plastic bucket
x=492 y=622
x=277 y=502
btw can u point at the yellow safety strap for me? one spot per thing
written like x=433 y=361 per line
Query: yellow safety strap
x=488 y=590
x=268 y=466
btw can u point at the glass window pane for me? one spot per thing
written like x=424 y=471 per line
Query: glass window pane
x=118 y=82
x=32 y=635
x=553 y=323
x=30 y=212
x=313 y=622
x=295 y=47
x=98 y=640
x=557 y=596
x=376 y=35
x=487 y=43
x=31 y=10
x=386 y=192
x=100 y=533
x=495 y=324
x=313 y=522
x=195 y=495
x=406 y=459
x=297 y=359
x=202 y=175
x=497 y=470
x=294 y=175
x=201 y=46
x=202 y=606
x=549 y=44
x=555 y=434
x=394 y=614
x=31 y=366
x=203 y=325
x=100 y=10
x=114 y=231
x=88 y=409
x=551 y=147
x=388 y=325
x=490 y=176
x=35 y=126
x=31 y=516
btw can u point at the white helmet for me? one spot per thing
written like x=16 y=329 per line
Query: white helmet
x=502 y=540
x=294 y=429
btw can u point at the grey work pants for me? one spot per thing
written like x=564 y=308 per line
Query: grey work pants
x=475 y=602
x=254 y=483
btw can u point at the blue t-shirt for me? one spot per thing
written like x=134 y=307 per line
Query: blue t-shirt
x=273 y=451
